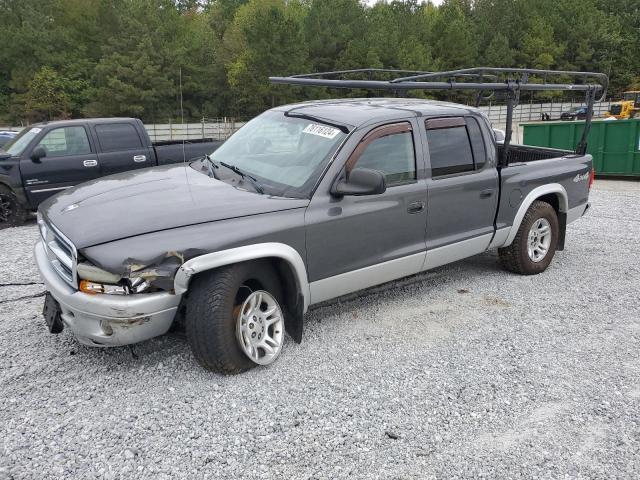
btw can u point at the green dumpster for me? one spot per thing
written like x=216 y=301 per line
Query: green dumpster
x=614 y=144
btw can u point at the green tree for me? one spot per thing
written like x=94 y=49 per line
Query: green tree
x=265 y=39
x=47 y=97
x=453 y=35
x=138 y=71
x=124 y=57
x=499 y=53
x=132 y=85
x=328 y=29
x=623 y=60
x=539 y=47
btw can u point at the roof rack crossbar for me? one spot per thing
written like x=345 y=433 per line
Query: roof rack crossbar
x=512 y=81
x=359 y=70
x=410 y=85
x=485 y=78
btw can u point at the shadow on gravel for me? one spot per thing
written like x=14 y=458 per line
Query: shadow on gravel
x=127 y=358
x=174 y=344
x=467 y=270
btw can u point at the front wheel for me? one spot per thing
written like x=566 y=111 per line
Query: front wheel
x=12 y=213
x=535 y=243
x=233 y=317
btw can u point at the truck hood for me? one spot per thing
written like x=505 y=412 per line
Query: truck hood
x=149 y=200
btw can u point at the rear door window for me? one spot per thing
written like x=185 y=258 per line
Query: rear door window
x=456 y=145
x=477 y=143
x=117 y=136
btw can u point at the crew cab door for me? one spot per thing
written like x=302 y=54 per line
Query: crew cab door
x=354 y=242
x=121 y=147
x=70 y=159
x=462 y=191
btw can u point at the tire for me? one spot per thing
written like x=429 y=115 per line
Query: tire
x=517 y=257
x=12 y=213
x=213 y=309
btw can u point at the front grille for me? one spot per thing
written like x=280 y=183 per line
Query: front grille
x=60 y=251
x=615 y=109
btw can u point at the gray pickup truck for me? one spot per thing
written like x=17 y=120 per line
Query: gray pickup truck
x=305 y=203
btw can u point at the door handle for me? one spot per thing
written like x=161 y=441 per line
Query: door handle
x=90 y=163
x=486 y=193
x=415 y=207
x=139 y=158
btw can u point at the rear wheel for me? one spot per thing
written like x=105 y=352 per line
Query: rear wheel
x=534 y=246
x=233 y=317
x=12 y=213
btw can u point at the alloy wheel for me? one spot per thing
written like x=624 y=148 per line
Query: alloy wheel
x=260 y=327
x=539 y=240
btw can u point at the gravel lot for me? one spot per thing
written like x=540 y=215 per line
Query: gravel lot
x=466 y=371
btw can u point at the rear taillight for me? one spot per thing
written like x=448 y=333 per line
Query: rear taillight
x=592 y=177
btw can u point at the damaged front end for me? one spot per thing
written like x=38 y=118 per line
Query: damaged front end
x=134 y=277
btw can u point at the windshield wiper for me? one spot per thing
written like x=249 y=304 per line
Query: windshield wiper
x=342 y=128
x=212 y=166
x=244 y=175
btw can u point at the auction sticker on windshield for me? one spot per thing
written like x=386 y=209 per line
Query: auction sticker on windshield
x=321 y=130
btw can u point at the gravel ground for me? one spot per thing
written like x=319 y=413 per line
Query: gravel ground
x=466 y=371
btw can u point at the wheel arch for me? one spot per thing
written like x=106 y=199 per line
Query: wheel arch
x=7 y=182
x=286 y=261
x=552 y=193
x=21 y=205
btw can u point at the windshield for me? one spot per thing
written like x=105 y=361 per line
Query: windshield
x=630 y=95
x=22 y=141
x=285 y=154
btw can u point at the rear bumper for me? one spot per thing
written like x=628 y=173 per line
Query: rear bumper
x=577 y=212
x=108 y=320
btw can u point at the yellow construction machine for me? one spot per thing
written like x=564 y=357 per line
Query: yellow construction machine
x=628 y=107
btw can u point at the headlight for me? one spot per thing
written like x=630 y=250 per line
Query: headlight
x=133 y=278
x=86 y=271
x=93 y=288
x=96 y=280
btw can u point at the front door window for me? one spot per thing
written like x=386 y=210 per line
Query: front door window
x=66 y=141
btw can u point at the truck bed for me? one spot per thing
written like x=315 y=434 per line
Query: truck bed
x=528 y=153
x=172 y=151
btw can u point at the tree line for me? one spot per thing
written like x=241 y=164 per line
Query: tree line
x=74 y=58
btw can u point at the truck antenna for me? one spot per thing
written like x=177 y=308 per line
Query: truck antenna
x=184 y=154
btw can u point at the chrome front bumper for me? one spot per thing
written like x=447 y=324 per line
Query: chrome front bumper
x=108 y=320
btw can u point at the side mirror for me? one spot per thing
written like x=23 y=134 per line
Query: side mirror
x=37 y=154
x=361 y=181
x=500 y=135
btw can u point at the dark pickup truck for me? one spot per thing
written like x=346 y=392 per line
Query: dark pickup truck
x=50 y=157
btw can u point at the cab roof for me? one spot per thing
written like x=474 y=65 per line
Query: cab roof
x=82 y=121
x=356 y=112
